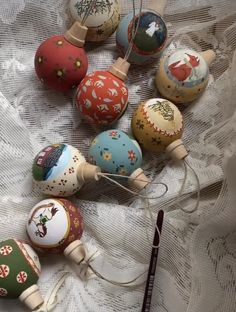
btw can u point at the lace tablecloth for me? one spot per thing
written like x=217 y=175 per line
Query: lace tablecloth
x=196 y=269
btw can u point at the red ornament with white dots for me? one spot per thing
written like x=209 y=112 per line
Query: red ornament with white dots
x=59 y=64
x=53 y=224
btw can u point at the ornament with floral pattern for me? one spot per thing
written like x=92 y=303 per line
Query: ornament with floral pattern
x=116 y=152
x=101 y=98
x=59 y=64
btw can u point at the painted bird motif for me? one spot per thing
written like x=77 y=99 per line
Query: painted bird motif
x=40 y=221
x=181 y=71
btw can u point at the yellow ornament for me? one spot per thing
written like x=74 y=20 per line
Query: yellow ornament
x=183 y=75
x=157 y=124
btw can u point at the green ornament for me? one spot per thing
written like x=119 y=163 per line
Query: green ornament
x=19 y=272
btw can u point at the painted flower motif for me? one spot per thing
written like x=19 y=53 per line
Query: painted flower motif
x=94 y=142
x=117 y=108
x=139 y=124
x=99 y=83
x=6 y=250
x=132 y=155
x=71 y=238
x=71 y=170
x=21 y=277
x=112 y=92
x=76 y=222
x=77 y=63
x=4 y=270
x=49 y=188
x=40 y=59
x=60 y=72
x=62 y=193
x=124 y=90
x=107 y=156
x=156 y=141
x=88 y=83
x=3 y=292
x=103 y=108
x=59 y=43
x=122 y=171
x=62 y=182
x=75 y=158
x=72 y=208
x=113 y=134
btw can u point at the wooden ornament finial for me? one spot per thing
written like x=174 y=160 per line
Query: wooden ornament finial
x=32 y=297
x=75 y=251
x=209 y=56
x=158 y=6
x=87 y=172
x=120 y=68
x=138 y=180
x=76 y=34
x=177 y=150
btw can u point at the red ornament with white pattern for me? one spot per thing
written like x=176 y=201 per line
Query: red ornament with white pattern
x=102 y=96
x=60 y=61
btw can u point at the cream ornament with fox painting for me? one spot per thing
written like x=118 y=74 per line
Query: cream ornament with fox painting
x=183 y=75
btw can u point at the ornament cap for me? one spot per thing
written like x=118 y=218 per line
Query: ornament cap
x=209 y=56
x=177 y=150
x=158 y=6
x=76 y=34
x=120 y=68
x=138 y=180
x=87 y=172
x=75 y=251
x=32 y=297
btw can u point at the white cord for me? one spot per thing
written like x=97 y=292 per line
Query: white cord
x=106 y=176
x=51 y=298
x=186 y=165
x=130 y=47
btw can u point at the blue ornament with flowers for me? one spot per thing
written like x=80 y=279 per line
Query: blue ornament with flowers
x=115 y=152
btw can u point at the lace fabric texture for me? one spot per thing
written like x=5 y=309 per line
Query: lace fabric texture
x=196 y=269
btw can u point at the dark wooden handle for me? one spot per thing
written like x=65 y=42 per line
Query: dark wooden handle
x=152 y=266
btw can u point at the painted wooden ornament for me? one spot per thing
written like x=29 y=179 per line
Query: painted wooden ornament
x=102 y=21
x=183 y=75
x=53 y=224
x=102 y=96
x=157 y=124
x=19 y=273
x=150 y=38
x=117 y=153
x=61 y=170
x=60 y=61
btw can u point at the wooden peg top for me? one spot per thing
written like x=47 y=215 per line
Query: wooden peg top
x=120 y=68
x=76 y=34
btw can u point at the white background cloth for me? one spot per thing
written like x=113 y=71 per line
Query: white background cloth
x=196 y=269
